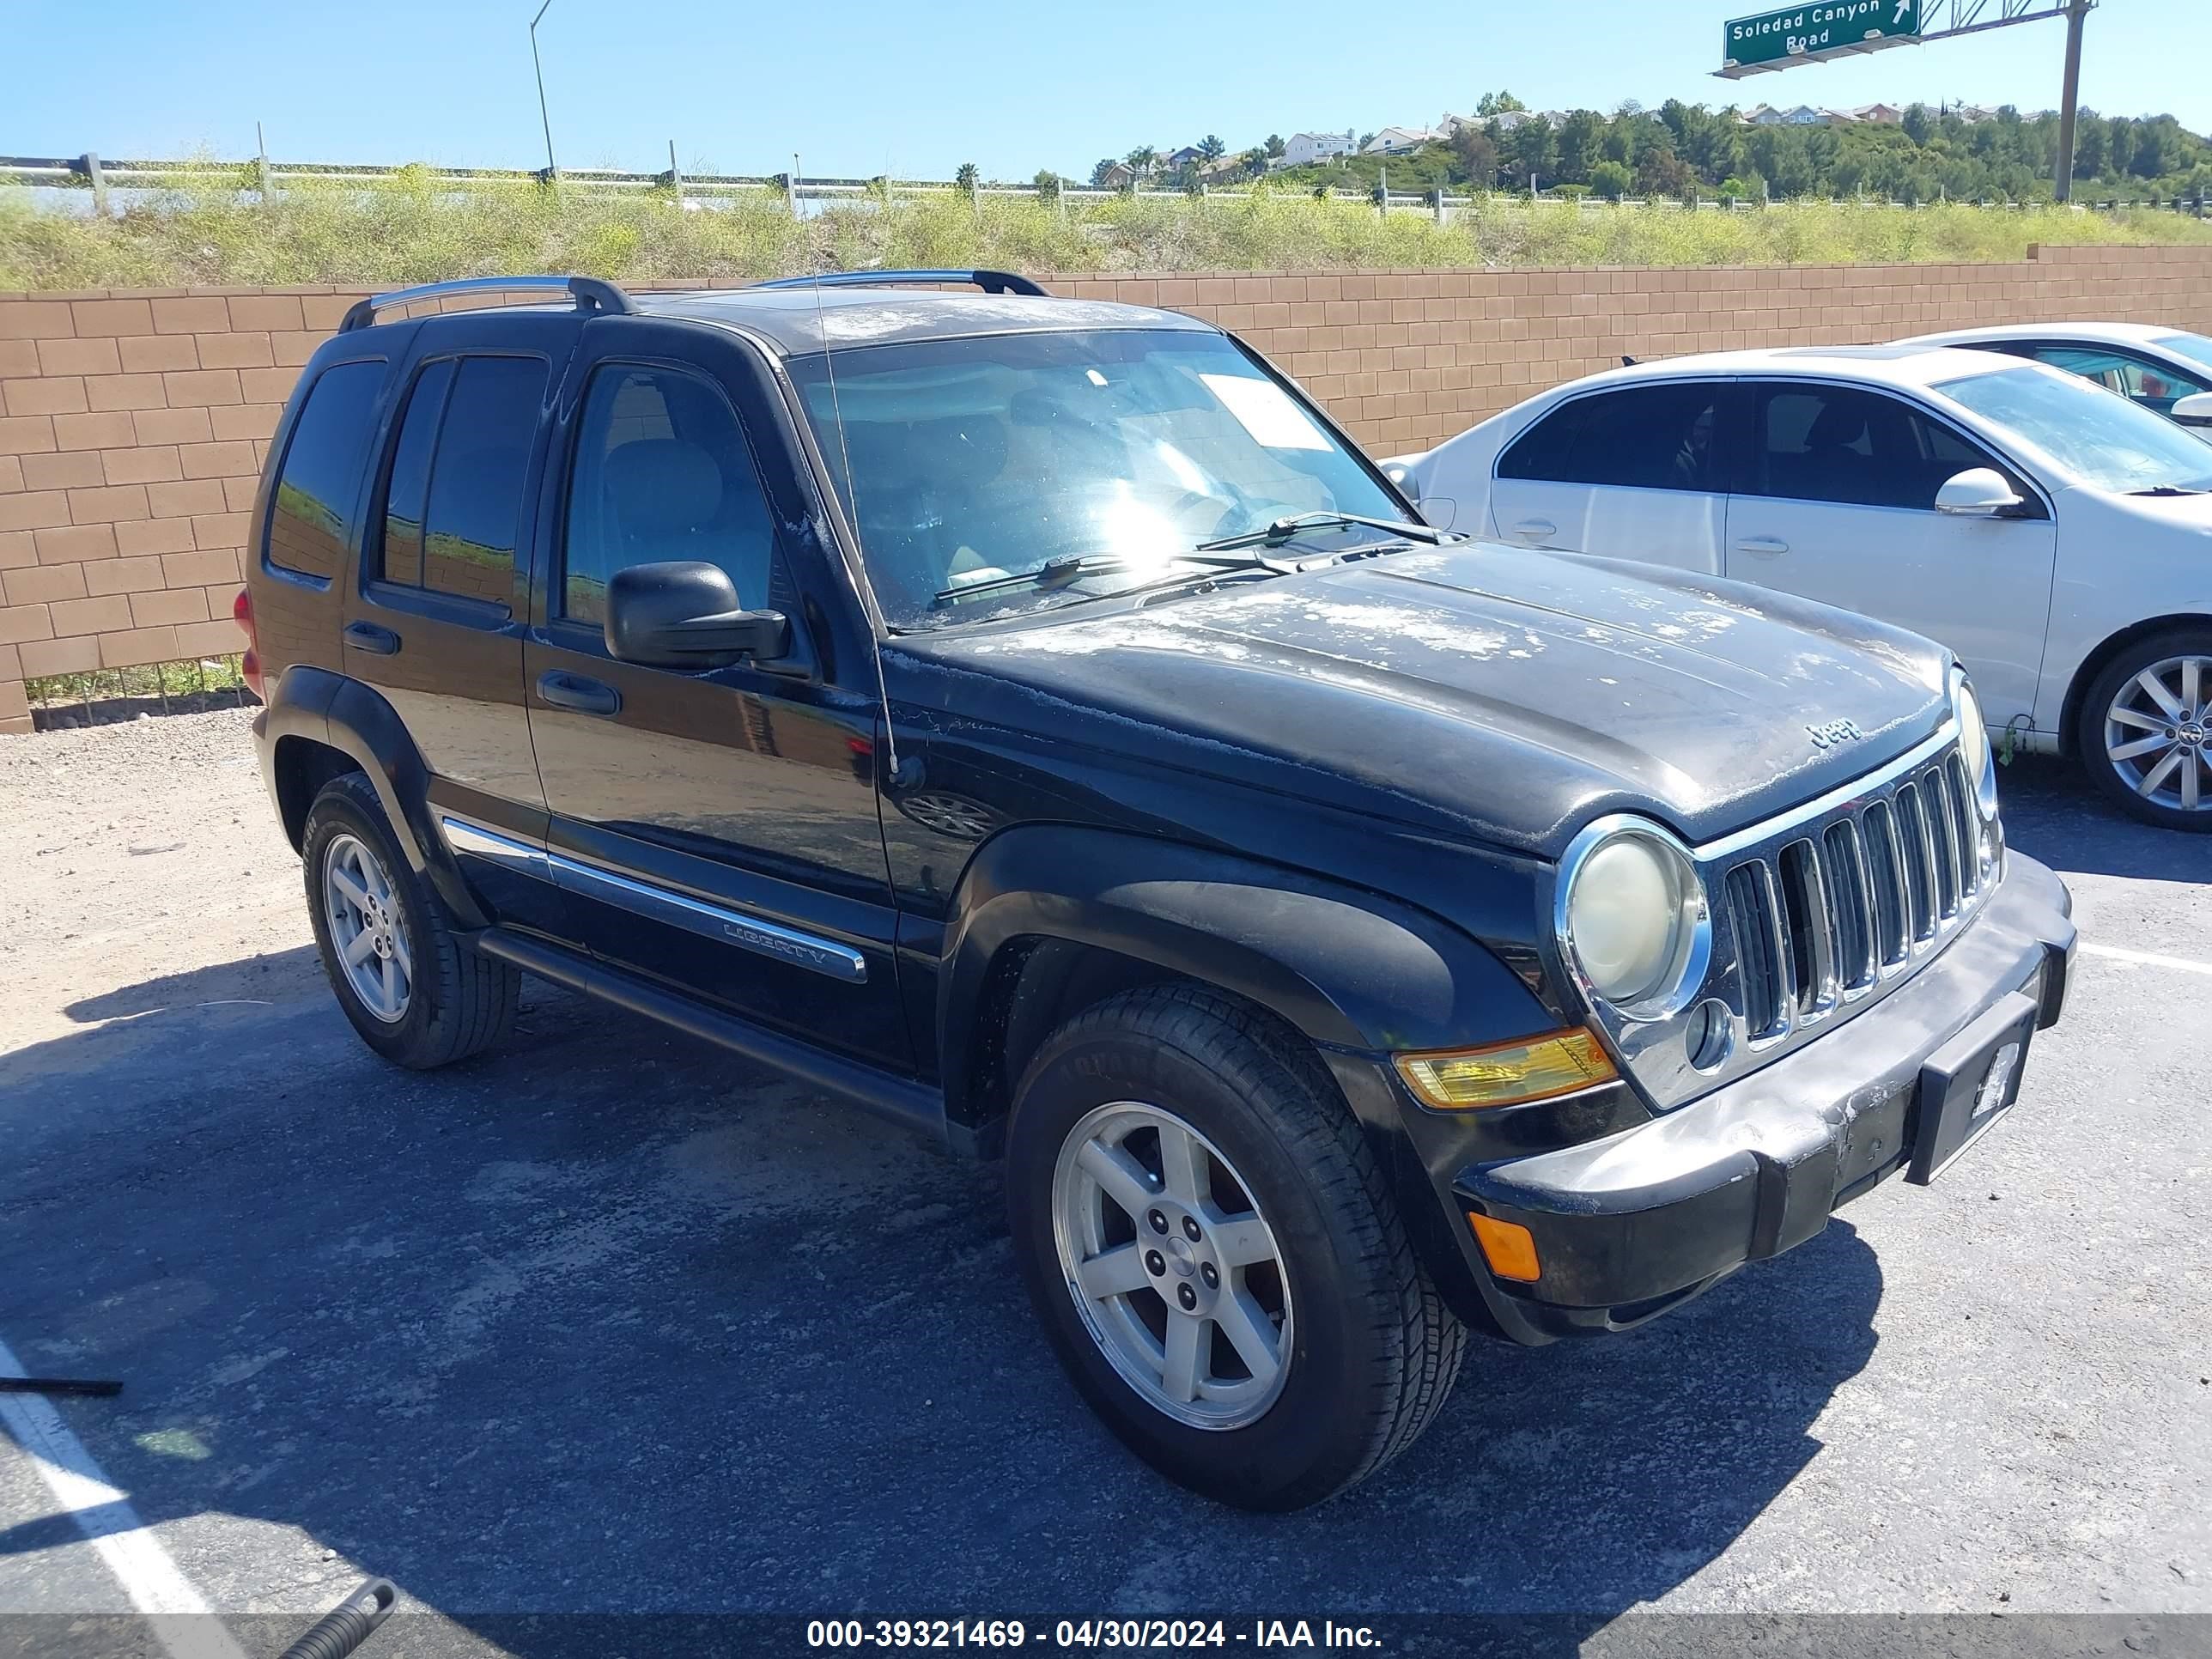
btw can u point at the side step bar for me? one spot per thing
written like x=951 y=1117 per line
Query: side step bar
x=902 y=1101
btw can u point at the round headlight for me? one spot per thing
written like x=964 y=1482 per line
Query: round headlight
x=1973 y=735
x=1632 y=914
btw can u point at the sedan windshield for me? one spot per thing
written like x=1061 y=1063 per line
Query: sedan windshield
x=2105 y=441
x=2195 y=347
x=1107 y=455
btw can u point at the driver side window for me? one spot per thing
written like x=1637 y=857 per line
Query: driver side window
x=662 y=472
x=2152 y=385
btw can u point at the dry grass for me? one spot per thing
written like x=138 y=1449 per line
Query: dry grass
x=412 y=228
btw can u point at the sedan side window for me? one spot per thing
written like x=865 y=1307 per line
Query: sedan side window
x=1853 y=447
x=662 y=472
x=1645 y=437
x=2152 y=385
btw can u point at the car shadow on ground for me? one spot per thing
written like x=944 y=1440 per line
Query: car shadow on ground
x=610 y=1321
x=2052 y=812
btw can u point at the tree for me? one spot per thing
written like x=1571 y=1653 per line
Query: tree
x=1662 y=172
x=1609 y=179
x=1047 y=183
x=1211 y=147
x=1497 y=103
x=1101 y=171
x=1365 y=139
x=1531 y=152
x=1142 y=158
x=1475 y=156
x=1275 y=145
x=1916 y=125
x=1256 y=162
x=2089 y=151
x=967 y=177
x=1579 y=138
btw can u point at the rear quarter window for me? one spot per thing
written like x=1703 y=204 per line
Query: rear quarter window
x=318 y=486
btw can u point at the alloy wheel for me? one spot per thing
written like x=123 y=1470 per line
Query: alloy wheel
x=1176 y=1271
x=2158 y=733
x=368 y=931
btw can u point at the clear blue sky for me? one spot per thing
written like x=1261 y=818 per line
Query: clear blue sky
x=864 y=86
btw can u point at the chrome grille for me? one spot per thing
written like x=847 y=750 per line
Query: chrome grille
x=1828 y=907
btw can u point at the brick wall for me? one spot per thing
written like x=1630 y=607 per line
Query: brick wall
x=133 y=425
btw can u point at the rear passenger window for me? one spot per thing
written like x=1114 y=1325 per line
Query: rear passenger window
x=662 y=472
x=1646 y=437
x=309 y=524
x=452 y=508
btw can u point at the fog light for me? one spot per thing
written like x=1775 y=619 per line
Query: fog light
x=1507 y=1073
x=1507 y=1246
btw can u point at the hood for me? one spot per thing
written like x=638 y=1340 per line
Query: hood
x=1474 y=690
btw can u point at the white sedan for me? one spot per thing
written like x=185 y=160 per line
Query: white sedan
x=2147 y=363
x=2058 y=538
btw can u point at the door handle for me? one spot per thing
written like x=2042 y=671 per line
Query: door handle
x=1535 y=530
x=367 y=637
x=1766 y=546
x=575 y=691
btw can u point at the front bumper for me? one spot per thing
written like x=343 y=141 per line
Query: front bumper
x=1630 y=1223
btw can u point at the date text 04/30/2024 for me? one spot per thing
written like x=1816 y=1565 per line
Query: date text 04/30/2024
x=1087 y=1634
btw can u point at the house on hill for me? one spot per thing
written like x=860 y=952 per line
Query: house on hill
x=1400 y=141
x=1303 y=148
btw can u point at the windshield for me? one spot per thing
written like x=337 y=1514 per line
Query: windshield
x=974 y=460
x=2103 y=441
x=2195 y=347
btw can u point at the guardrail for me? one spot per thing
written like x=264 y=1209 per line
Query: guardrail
x=267 y=178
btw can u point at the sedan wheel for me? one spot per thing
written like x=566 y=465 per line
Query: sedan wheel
x=1174 y=1271
x=2156 y=731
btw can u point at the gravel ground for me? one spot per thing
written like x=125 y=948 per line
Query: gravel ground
x=611 y=1322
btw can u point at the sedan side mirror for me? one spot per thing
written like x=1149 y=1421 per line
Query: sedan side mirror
x=685 y=614
x=1979 y=492
x=2195 y=410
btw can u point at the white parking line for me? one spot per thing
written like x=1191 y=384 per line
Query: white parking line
x=186 y=1626
x=2145 y=958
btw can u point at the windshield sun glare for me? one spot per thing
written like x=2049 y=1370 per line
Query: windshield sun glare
x=975 y=461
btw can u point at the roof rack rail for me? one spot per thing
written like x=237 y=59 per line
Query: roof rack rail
x=991 y=282
x=589 y=292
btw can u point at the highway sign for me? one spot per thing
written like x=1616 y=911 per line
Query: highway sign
x=1818 y=29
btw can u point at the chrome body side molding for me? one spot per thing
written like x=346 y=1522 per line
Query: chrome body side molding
x=714 y=921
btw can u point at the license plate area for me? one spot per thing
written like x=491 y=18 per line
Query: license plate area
x=1970 y=1082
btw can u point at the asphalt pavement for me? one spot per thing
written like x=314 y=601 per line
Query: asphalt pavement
x=611 y=1323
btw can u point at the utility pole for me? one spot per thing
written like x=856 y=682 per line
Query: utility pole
x=2069 y=99
x=550 y=167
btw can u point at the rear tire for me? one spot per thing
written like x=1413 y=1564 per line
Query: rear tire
x=2144 y=730
x=1367 y=1350
x=415 y=992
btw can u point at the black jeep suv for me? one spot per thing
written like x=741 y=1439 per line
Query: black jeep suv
x=1035 y=721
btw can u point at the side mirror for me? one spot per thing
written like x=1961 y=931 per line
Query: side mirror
x=1980 y=492
x=2195 y=410
x=685 y=614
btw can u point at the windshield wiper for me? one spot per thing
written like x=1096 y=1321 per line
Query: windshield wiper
x=2166 y=490
x=1062 y=572
x=1282 y=530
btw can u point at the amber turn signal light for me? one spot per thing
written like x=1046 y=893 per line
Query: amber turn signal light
x=1507 y=1246
x=1507 y=1073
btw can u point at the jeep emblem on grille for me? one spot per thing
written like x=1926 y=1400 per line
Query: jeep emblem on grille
x=1834 y=732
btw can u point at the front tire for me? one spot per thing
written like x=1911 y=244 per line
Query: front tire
x=2144 y=730
x=415 y=992
x=1215 y=1254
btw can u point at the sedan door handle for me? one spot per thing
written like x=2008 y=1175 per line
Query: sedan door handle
x=367 y=637
x=1535 y=530
x=1766 y=546
x=575 y=691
